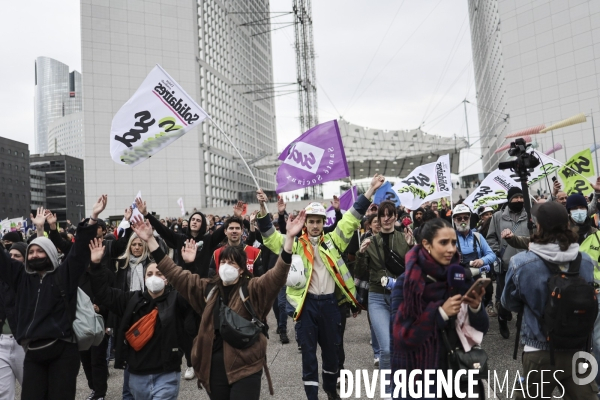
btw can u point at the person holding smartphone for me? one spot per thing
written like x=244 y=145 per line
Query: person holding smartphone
x=425 y=304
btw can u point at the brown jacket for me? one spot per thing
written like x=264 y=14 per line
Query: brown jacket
x=262 y=293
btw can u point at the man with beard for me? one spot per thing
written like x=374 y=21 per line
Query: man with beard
x=417 y=218
x=475 y=253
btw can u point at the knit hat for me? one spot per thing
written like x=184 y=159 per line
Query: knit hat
x=13 y=237
x=514 y=191
x=21 y=247
x=550 y=216
x=576 y=200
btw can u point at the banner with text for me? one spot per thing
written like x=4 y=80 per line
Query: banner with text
x=575 y=171
x=425 y=183
x=158 y=113
x=386 y=192
x=548 y=166
x=491 y=191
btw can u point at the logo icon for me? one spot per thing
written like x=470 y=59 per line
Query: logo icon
x=581 y=363
x=305 y=156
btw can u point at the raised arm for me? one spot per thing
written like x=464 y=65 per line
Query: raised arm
x=189 y=285
x=54 y=235
x=272 y=239
x=172 y=239
x=38 y=221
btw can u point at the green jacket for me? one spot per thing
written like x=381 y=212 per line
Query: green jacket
x=369 y=260
x=331 y=246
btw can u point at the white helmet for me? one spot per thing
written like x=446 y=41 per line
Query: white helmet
x=316 y=209
x=486 y=209
x=461 y=209
x=296 y=278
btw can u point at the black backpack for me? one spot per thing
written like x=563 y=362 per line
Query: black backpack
x=571 y=309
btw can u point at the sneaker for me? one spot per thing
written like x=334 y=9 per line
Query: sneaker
x=504 y=328
x=490 y=310
x=283 y=337
x=189 y=373
x=91 y=396
x=299 y=348
x=333 y=396
x=376 y=362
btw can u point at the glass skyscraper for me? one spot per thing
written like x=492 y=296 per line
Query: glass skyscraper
x=57 y=94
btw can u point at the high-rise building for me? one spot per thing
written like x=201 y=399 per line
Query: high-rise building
x=14 y=177
x=65 y=135
x=57 y=94
x=535 y=63
x=219 y=57
x=62 y=176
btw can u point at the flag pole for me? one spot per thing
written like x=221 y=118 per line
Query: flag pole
x=354 y=201
x=236 y=149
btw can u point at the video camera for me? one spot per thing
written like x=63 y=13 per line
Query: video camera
x=525 y=161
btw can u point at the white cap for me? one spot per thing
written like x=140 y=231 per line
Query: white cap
x=296 y=278
x=461 y=209
x=316 y=209
x=487 y=209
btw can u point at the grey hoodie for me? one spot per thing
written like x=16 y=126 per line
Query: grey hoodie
x=50 y=250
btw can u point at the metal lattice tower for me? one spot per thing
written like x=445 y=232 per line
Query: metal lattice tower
x=305 y=64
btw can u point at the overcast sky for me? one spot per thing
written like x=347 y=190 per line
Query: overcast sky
x=387 y=64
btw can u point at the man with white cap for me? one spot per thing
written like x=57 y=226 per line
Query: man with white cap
x=328 y=284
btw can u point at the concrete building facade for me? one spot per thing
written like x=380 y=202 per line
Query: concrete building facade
x=14 y=177
x=536 y=63
x=65 y=135
x=57 y=94
x=218 y=61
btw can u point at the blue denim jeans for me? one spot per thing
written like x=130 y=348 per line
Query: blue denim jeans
x=163 y=386
x=380 y=313
x=126 y=393
x=596 y=342
x=375 y=343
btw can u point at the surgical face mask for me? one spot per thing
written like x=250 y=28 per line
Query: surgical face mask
x=516 y=207
x=228 y=274
x=579 y=216
x=155 y=284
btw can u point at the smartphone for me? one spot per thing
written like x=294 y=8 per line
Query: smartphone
x=553 y=179
x=479 y=283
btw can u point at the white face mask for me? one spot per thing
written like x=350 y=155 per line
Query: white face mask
x=228 y=274
x=579 y=216
x=155 y=284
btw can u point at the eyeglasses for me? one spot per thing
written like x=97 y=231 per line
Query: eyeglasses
x=461 y=218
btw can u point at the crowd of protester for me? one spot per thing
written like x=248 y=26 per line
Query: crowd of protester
x=201 y=288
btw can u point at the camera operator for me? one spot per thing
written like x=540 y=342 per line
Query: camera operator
x=513 y=217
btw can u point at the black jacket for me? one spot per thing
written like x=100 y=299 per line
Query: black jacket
x=131 y=307
x=8 y=311
x=41 y=312
x=176 y=241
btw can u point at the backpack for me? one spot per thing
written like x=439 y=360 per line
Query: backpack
x=571 y=309
x=88 y=326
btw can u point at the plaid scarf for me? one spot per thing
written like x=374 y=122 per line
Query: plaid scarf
x=416 y=339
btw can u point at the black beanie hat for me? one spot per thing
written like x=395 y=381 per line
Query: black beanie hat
x=514 y=191
x=13 y=237
x=21 y=247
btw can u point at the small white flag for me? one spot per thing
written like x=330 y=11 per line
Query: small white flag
x=180 y=204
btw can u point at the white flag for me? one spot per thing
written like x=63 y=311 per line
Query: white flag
x=425 y=183
x=492 y=190
x=157 y=114
x=124 y=223
x=180 y=204
x=547 y=167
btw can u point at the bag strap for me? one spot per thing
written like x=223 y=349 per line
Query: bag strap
x=245 y=296
x=63 y=294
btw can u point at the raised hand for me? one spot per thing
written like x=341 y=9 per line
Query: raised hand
x=50 y=218
x=128 y=212
x=97 y=250
x=142 y=228
x=261 y=196
x=295 y=227
x=335 y=203
x=253 y=216
x=280 y=205
x=364 y=245
x=556 y=186
x=596 y=185
x=99 y=206
x=141 y=206
x=188 y=251
x=40 y=217
x=238 y=209
x=376 y=183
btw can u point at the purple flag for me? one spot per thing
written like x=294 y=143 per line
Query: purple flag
x=315 y=157
x=346 y=202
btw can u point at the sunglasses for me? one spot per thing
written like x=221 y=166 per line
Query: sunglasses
x=462 y=218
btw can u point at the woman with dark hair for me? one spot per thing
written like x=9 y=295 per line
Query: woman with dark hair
x=424 y=306
x=225 y=371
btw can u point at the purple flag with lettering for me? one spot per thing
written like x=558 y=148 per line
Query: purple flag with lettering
x=315 y=157
x=346 y=202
